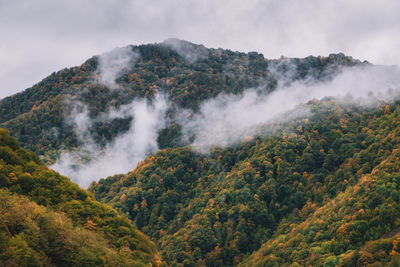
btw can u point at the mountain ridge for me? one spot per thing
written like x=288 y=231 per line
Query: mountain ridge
x=311 y=180
x=187 y=83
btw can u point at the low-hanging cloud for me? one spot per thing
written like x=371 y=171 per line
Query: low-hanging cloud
x=114 y=63
x=229 y=119
x=222 y=121
x=190 y=52
x=124 y=152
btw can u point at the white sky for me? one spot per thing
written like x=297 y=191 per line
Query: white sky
x=42 y=36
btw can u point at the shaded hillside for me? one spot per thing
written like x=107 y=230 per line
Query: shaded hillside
x=46 y=220
x=216 y=210
x=187 y=73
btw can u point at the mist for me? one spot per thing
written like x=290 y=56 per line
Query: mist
x=221 y=121
x=124 y=152
x=188 y=51
x=114 y=63
x=230 y=119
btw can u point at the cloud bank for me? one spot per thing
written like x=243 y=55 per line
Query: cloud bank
x=228 y=119
x=222 y=121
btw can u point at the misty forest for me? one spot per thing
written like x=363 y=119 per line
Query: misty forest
x=175 y=154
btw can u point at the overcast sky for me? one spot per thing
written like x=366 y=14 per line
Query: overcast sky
x=38 y=37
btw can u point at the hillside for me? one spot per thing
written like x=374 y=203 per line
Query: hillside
x=359 y=225
x=322 y=191
x=221 y=158
x=46 y=220
x=41 y=116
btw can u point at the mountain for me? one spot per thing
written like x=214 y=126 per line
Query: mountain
x=46 y=220
x=221 y=158
x=188 y=73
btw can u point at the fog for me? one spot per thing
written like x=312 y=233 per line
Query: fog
x=114 y=63
x=187 y=50
x=221 y=121
x=124 y=152
x=228 y=119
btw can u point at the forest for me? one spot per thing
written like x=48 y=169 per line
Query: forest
x=46 y=220
x=315 y=190
x=36 y=116
x=316 y=194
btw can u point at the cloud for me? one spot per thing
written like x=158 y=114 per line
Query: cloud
x=222 y=121
x=190 y=52
x=39 y=37
x=228 y=119
x=114 y=63
x=92 y=162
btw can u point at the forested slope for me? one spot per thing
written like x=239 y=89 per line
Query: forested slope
x=46 y=220
x=315 y=193
x=339 y=232
x=320 y=188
